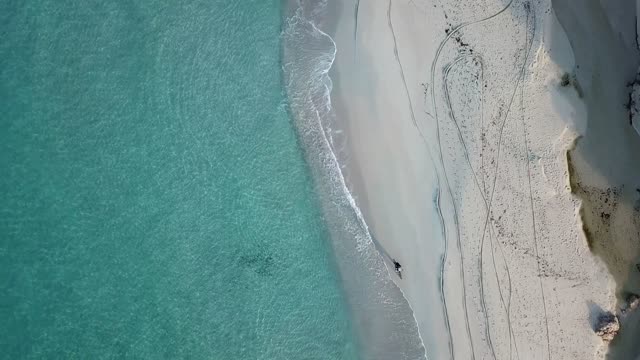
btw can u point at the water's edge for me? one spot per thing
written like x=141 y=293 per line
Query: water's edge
x=378 y=307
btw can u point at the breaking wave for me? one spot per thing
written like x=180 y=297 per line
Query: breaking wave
x=382 y=318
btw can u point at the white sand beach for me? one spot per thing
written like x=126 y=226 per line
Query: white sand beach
x=490 y=150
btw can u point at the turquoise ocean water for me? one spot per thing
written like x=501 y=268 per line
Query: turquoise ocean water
x=154 y=198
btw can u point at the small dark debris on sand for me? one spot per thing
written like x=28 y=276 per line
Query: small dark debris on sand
x=565 y=80
x=631 y=304
x=568 y=79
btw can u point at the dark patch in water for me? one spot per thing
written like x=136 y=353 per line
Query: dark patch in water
x=261 y=264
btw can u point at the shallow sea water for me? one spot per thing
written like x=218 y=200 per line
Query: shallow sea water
x=155 y=200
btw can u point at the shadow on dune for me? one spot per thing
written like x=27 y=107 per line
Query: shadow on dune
x=604 y=167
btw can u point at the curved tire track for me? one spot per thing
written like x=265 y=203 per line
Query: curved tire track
x=456 y=30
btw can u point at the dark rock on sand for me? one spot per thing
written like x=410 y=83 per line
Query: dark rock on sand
x=608 y=326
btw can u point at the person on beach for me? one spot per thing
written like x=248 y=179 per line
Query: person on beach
x=397 y=267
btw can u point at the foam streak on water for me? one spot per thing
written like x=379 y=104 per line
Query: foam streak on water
x=382 y=316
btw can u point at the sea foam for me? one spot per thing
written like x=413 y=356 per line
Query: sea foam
x=383 y=319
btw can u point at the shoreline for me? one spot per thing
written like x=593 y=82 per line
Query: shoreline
x=382 y=318
x=375 y=158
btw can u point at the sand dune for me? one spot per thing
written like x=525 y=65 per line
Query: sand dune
x=483 y=139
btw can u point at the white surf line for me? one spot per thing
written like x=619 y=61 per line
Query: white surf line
x=345 y=189
x=438 y=208
x=450 y=193
x=343 y=182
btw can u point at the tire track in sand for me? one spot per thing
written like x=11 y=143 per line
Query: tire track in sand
x=454 y=31
x=533 y=213
x=528 y=47
x=482 y=189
